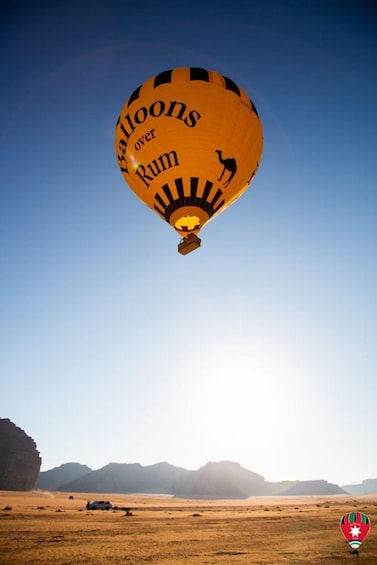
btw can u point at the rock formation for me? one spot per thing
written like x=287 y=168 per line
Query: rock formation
x=224 y=479
x=215 y=480
x=19 y=458
x=59 y=476
x=368 y=486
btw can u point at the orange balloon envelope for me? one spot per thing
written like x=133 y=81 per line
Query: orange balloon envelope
x=188 y=143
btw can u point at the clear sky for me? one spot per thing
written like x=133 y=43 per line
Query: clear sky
x=261 y=346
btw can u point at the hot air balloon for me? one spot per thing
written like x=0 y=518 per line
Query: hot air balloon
x=355 y=527
x=188 y=143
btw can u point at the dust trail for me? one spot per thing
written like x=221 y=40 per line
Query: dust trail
x=46 y=493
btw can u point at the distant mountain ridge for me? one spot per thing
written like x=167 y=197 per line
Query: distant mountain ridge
x=55 y=478
x=368 y=486
x=215 y=480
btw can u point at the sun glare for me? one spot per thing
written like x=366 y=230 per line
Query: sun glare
x=243 y=397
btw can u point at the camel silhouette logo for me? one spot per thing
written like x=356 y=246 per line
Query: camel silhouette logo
x=229 y=165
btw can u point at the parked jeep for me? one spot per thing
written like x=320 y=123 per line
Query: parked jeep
x=98 y=505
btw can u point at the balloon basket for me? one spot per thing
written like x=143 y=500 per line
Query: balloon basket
x=188 y=244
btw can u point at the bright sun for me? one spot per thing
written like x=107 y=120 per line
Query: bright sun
x=243 y=397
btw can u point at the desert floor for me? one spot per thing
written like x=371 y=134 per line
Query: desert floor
x=49 y=528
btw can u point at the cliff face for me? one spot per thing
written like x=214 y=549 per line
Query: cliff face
x=19 y=458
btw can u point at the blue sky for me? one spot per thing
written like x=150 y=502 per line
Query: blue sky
x=260 y=347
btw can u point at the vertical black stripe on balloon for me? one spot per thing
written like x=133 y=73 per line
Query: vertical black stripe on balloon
x=162 y=78
x=230 y=85
x=253 y=108
x=220 y=205
x=134 y=96
x=160 y=201
x=180 y=191
x=216 y=197
x=162 y=214
x=207 y=190
x=205 y=204
x=173 y=204
x=197 y=73
x=193 y=189
x=168 y=193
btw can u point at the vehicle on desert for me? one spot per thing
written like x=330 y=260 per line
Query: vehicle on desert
x=98 y=505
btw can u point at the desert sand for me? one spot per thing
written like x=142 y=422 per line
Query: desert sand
x=50 y=528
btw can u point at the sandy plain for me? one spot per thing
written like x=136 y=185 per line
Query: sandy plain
x=49 y=528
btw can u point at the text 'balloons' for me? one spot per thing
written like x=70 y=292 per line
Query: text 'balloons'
x=188 y=142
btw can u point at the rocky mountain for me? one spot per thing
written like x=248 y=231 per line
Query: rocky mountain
x=220 y=480
x=20 y=462
x=302 y=488
x=55 y=478
x=368 y=486
x=278 y=489
x=128 y=477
